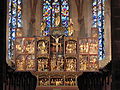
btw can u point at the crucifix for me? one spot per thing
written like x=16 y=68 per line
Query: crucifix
x=57 y=42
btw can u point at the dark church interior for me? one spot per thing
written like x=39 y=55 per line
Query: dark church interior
x=106 y=78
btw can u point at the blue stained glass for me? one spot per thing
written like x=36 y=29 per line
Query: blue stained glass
x=51 y=8
x=98 y=22
x=65 y=13
x=94 y=13
x=15 y=20
x=100 y=26
x=47 y=12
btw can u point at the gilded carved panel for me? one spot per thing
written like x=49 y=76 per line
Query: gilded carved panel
x=30 y=63
x=71 y=64
x=20 y=63
x=43 y=64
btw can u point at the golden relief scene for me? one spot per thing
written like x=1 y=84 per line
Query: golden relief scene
x=43 y=64
x=56 y=80
x=84 y=46
x=83 y=62
x=70 y=80
x=19 y=32
x=25 y=45
x=93 y=45
x=43 y=80
x=30 y=45
x=20 y=63
x=57 y=64
x=42 y=47
x=19 y=45
x=71 y=64
x=93 y=63
x=30 y=63
x=71 y=47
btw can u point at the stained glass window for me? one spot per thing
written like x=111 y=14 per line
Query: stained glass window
x=98 y=22
x=54 y=8
x=15 y=21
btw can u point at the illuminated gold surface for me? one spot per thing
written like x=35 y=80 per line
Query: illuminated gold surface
x=20 y=63
x=70 y=64
x=42 y=47
x=30 y=46
x=43 y=65
x=70 y=28
x=19 y=32
x=30 y=65
x=42 y=27
x=71 y=47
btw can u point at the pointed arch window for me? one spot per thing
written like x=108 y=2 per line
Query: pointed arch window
x=51 y=8
x=14 y=22
x=98 y=22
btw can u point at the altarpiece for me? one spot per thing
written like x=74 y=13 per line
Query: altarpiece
x=53 y=54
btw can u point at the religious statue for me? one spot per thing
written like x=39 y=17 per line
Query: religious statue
x=60 y=64
x=94 y=32
x=30 y=46
x=42 y=27
x=20 y=45
x=56 y=81
x=57 y=19
x=70 y=28
x=43 y=65
x=19 y=32
x=40 y=65
x=70 y=81
x=43 y=81
x=42 y=47
x=30 y=65
x=93 y=48
x=71 y=65
x=84 y=48
x=20 y=63
x=82 y=65
x=53 y=63
x=57 y=42
x=71 y=47
x=93 y=65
